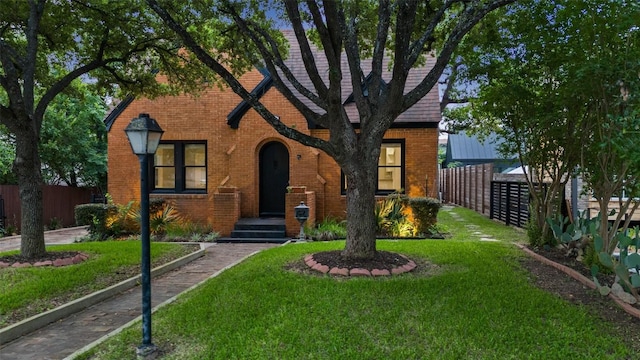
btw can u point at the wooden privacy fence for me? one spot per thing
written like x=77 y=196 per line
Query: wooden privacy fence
x=3 y=217
x=503 y=197
x=59 y=203
x=468 y=186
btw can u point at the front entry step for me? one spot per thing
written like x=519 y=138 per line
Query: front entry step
x=257 y=230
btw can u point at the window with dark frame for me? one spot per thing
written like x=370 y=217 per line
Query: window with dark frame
x=180 y=167
x=391 y=168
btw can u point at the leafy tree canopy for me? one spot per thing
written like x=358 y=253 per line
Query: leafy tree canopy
x=559 y=80
x=73 y=143
x=46 y=45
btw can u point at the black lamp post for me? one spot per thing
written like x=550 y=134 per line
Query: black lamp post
x=144 y=135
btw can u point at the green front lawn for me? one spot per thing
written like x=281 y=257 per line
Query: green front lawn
x=472 y=302
x=29 y=291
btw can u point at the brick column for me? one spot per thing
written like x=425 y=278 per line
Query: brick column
x=226 y=210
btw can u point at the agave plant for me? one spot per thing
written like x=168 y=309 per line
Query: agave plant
x=159 y=219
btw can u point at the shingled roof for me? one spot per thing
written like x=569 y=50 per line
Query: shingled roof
x=425 y=113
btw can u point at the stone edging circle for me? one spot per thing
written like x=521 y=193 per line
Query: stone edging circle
x=581 y=278
x=80 y=257
x=336 y=271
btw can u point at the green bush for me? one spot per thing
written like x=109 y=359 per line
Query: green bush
x=156 y=205
x=328 y=229
x=591 y=259
x=425 y=213
x=124 y=222
x=391 y=217
x=185 y=230
x=54 y=224
x=96 y=216
x=161 y=215
x=84 y=213
x=534 y=233
x=107 y=220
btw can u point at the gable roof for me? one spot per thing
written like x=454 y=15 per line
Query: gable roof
x=462 y=147
x=425 y=113
x=234 y=117
x=116 y=111
x=365 y=89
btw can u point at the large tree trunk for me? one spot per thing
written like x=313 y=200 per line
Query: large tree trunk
x=27 y=169
x=361 y=223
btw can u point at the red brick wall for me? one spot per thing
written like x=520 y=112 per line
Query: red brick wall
x=226 y=211
x=233 y=155
x=421 y=169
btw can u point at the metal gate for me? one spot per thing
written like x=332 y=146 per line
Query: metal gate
x=510 y=202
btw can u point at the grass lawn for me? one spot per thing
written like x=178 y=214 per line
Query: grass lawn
x=470 y=300
x=29 y=291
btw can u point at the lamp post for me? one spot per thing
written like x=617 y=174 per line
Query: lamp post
x=144 y=135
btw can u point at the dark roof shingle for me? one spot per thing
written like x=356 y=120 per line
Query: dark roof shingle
x=427 y=110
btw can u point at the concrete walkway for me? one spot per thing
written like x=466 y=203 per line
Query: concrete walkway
x=53 y=237
x=63 y=338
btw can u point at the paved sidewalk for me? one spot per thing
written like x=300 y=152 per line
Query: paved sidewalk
x=64 y=337
x=53 y=237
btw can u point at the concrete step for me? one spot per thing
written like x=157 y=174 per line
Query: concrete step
x=258 y=234
x=257 y=226
x=230 y=240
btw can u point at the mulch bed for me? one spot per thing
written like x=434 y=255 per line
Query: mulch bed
x=563 y=286
x=50 y=258
x=383 y=260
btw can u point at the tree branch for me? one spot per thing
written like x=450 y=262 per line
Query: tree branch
x=352 y=51
x=467 y=19
x=382 y=33
x=36 y=9
x=307 y=55
x=405 y=22
x=272 y=59
x=235 y=85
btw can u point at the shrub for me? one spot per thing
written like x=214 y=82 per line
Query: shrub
x=425 y=213
x=185 y=230
x=124 y=221
x=328 y=229
x=534 y=233
x=156 y=205
x=95 y=216
x=54 y=224
x=391 y=216
x=161 y=215
x=85 y=213
x=591 y=259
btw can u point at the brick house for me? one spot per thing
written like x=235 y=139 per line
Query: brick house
x=219 y=161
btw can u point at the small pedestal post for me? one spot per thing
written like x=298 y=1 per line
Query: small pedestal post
x=302 y=214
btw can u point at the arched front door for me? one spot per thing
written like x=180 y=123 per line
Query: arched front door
x=274 y=178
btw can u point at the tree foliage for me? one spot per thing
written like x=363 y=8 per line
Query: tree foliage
x=73 y=141
x=364 y=31
x=7 y=154
x=552 y=79
x=46 y=45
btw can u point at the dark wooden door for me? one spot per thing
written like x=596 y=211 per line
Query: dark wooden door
x=274 y=178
